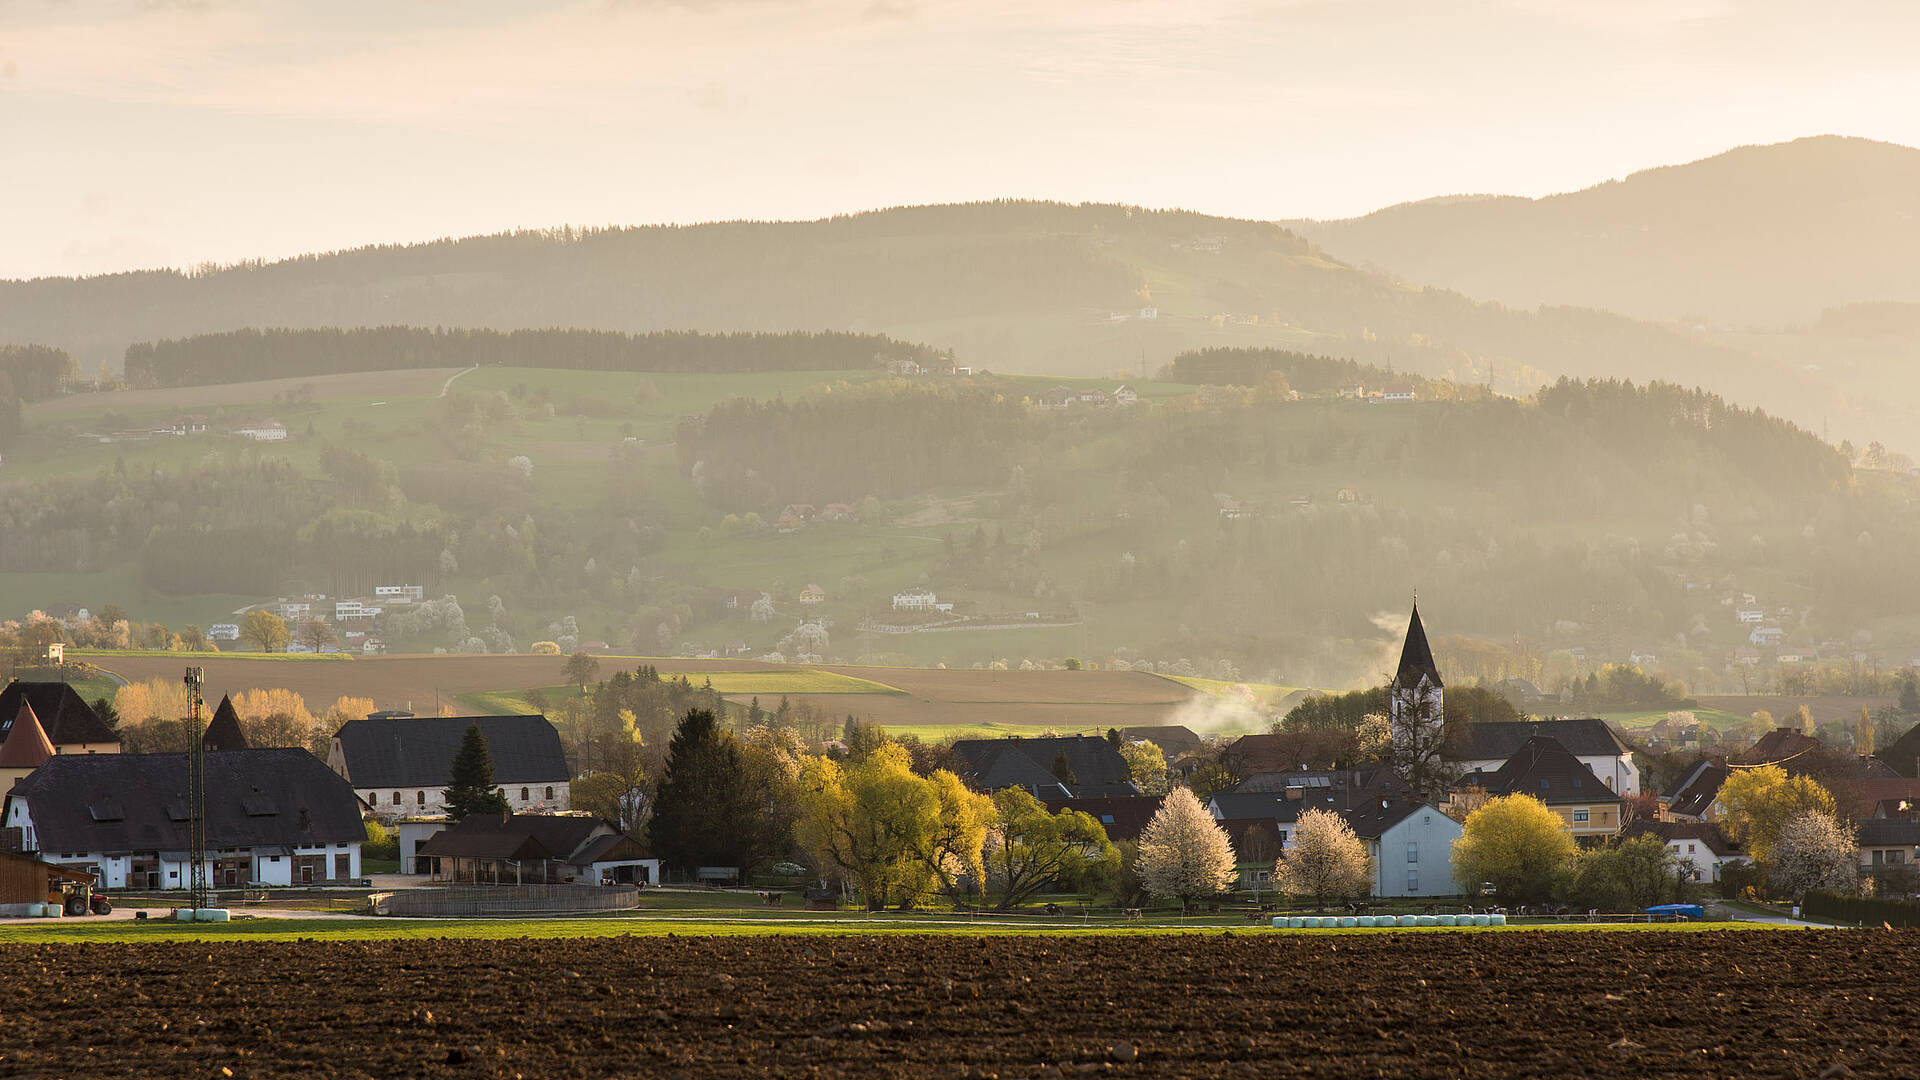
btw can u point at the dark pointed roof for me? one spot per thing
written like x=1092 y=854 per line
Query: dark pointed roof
x=1416 y=657
x=26 y=745
x=224 y=733
x=65 y=716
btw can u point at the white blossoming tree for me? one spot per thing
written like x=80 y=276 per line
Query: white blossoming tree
x=1325 y=861
x=1183 y=852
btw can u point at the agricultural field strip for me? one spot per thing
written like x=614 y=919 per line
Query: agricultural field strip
x=371 y=929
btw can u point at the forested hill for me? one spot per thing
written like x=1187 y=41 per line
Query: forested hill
x=1766 y=235
x=1013 y=286
x=244 y=355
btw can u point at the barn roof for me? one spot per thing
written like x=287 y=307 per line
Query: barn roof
x=138 y=802
x=417 y=751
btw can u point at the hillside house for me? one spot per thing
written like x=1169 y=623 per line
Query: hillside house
x=1766 y=637
x=69 y=722
x=1059 y=397
x=837 y=512
x=1397 y=392
x=1750 y=615
x=274 y=817
x=223 y=631
x=1126 y=395
x=355 y=611
x=914 y=599
x=401 y=765
x=1546 y=770
x=400 y=594
x=813 y=594
x=262 y=431
x=69 y=615
x=903 y=367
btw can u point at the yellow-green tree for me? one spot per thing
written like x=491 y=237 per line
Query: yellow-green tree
x=1032 y=848
x=1516 y=845
x=897 y=836
x=264 y=630
x=1146 y=765
x=1761 y=801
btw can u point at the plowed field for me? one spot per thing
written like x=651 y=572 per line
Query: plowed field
x=1246 y=1004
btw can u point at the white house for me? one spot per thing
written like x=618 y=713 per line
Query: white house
x=223 y=631
x=267 y=431
x=1766 y=636
x=1411 y=843
x=400 y=765
x=1489 y=745
x=273 y=817
x=1750 y=615
x=354 y=610
x=400 y=594
x=1701 y=846
x=914 y=599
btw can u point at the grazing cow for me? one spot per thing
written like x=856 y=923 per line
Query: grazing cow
x=1053 y=909
x=771 y=899
x=1131 y=913
x=1253 y=916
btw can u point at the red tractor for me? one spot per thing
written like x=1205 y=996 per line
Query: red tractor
x=78 y=898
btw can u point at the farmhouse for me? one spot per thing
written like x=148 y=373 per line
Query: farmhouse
x=1703 y=847
x=70 y=723
x=262 y=431
x=1059 y=767
x=1696 y=797
x=813 y=594
x=914 y=599
x=401 y=765
x=274 y=817
x=1547 y=771
x=522 y=849
x=1410 y=841
x=1490 y=744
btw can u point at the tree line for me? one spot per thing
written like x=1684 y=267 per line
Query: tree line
x=246 y=355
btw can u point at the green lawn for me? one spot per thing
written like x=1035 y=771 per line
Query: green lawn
x=78 y=931
x=1717 y=719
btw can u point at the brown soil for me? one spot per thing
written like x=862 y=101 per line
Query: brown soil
x=1551 y=1005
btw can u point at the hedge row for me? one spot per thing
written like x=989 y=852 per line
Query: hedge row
x=1833 y=907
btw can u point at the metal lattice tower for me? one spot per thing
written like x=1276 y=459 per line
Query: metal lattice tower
x=196 y=795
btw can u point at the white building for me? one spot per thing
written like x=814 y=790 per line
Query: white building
x=274 y=817
x=223 y=631
x=915 y=599
x=400 y=594
x=400 y=765
x=269 y=431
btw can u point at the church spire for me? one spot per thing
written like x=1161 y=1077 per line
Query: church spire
x=224 y=732
x=1416 y=656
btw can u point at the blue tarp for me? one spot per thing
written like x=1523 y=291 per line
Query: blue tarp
x=1678 y=911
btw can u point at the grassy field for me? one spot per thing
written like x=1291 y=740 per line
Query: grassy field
x=624 y=924
x=1717 y=719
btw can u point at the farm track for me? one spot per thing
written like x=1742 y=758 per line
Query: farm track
x=1241 y=1004
x=936 y=696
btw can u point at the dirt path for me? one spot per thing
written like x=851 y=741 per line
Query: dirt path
x=1241 y=1004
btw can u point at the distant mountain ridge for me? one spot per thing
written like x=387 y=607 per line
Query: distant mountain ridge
x=1759 y=235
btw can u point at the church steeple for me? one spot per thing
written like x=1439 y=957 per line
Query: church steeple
x=1416 y=657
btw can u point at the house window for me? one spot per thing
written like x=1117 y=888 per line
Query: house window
x=1106 y=819
x=1896 y=857
x=523 y=794
x=549 y=792
x=1413 y=879
x=396 y=798
x=1689 y=849
x=419 y=798
x=1579 y=817
x=1413 y=851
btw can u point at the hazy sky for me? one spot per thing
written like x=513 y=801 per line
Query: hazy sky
x=144 y=133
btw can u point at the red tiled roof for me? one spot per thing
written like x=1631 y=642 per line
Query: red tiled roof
x=27 y=745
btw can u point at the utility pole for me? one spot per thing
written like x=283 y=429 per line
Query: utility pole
x=196 y=795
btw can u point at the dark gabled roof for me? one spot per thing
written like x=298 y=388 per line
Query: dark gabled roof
x=1172 y=739
x=1780 y=746
x=1248 y=835
x=1416 y=657
x=65 y=715
x=613 y=847
x=224 y=732
x=1697 y=790
x=26 y=745
x=1705 y=832
x=1499 y=740
x=514 y=836
x=994 y=764
x=1903 y=754
x=418 y=751
x=137 y=802
x=1123 y=818
x=1545 y=770
x=1888 y=832
x=1369 y=813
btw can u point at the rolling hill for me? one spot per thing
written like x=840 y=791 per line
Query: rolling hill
x=1767 y=236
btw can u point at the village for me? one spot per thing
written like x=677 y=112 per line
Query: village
x=1415 y=802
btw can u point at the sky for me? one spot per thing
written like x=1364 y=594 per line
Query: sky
x=145 y=133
